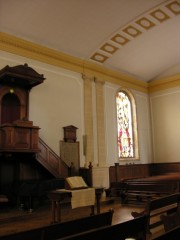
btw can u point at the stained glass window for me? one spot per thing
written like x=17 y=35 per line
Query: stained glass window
x=124 y=125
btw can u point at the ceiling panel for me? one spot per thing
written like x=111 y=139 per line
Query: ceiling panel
x=138 y=37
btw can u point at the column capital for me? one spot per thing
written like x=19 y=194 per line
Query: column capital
x=99 y=81
x=87 y=78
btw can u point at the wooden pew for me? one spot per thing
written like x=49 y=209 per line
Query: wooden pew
x=141 y=192
x=142 y=188
x=134 y=228
x=116 y=189
x=79 y=225
x=169 y=235
x=171 y=221
x=155 y=208
x=59 y=230
x=4 y=201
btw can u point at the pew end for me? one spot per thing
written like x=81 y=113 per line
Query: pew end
x=134 y=228
x=156 y=208
x=63 y=229
x=171 y=221
x=169 y=235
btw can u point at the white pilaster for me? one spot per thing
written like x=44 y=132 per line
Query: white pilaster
x=88 y=119
x=100 y=122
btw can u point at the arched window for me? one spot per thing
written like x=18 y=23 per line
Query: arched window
x=126 y=126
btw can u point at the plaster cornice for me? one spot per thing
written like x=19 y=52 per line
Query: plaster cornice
x=21 y=47
x=164 y=83
x=41 y=53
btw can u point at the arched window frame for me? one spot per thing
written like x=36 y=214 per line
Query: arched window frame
x=134 y=125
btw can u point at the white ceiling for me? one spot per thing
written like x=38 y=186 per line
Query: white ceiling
x=140 y=38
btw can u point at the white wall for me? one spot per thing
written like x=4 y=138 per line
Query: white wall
x=54 y=104
x=144 y=127
x=58 y=102
x=165 y=110
x=143 y=120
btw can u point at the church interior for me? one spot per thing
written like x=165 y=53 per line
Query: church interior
x=62 y=65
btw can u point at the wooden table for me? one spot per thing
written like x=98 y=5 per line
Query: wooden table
x=57 y=197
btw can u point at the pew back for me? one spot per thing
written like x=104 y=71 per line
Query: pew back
x=134 y=228
x=140 y=192
x=169 y=235
x=59 y=230
x=79 y=225
x=171 y=221
x=163 y=205
x=35 y=234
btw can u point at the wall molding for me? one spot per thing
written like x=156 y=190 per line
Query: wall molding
x=24 y=48
x=14 y=45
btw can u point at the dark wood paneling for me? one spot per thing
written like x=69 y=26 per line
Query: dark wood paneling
x=16 y=138
x=161 y=168
x=118 y=172
x=130 y=171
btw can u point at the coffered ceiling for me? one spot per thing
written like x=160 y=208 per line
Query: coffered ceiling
x=138 y=38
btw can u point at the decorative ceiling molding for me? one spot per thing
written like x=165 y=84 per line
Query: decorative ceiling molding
x=109 y=48
x=120 y=39
x=30 y=50
x=98 y=57
x=132 y=31
x=138 y=26
x=21 y=47
x=165 y=83
x=145 y=23
x=159 y=15
x=174 y=7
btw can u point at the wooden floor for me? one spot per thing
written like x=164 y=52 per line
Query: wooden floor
x=14 y=220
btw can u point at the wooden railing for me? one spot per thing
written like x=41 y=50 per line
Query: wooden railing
x=118 y=172
x=51 y=161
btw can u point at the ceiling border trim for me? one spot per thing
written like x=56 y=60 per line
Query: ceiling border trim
x=138 y=26
x=164 y=83
x=21 y=47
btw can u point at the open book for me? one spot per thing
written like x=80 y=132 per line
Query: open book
x=75 y=182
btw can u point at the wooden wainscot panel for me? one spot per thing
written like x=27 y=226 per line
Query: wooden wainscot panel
x=7 y=137
x=35 y=138
x=18 y=137
x=21 y=138
x=112 y=174
x=118 y=172
x=165 y=167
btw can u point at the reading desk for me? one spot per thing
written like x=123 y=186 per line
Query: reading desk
x=58 y=196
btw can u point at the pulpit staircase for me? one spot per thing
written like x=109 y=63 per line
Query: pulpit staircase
x=51 y=161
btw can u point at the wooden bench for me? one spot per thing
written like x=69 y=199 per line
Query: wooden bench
x=116 y=189
x=59 y=230
x=171 y=221
x=169 y=235
x=134 y=228
x=175 y=183
x=4 y=201
x=139 y=189
x=156 y=207
x=141 y=192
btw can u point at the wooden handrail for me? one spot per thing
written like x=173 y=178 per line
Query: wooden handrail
x=51 y=161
